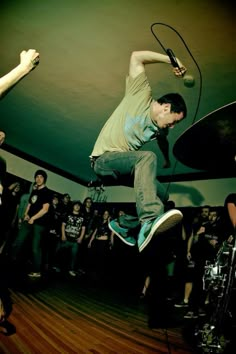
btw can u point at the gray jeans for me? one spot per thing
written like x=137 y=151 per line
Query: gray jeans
x=137 y=169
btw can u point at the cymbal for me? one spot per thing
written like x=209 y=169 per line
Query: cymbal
x=210 y=143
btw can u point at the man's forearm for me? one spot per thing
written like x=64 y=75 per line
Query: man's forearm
x=41 y=213
x=139 y=59
x=149 y=57
x=8 y=81
x=27 y=210
x=28 y=61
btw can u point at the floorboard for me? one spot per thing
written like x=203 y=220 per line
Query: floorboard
x=69 y=316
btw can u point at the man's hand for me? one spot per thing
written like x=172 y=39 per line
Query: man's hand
x=79 y=240
x=31 y=221
x=63 y=238
x=179 y=72
x=29 y=59
x=201 y=230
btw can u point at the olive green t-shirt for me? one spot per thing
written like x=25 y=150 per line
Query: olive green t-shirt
x=130 y=126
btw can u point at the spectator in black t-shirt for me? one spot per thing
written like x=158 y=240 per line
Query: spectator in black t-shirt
x=72 y=234
x=35 y=223
x=64 y=206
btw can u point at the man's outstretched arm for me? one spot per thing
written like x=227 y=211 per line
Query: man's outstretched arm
x=28 y=61
x=139 y=59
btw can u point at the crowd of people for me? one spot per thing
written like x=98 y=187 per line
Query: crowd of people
x=51 y=234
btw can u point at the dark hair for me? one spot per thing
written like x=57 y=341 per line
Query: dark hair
x=205 y=207
x=76 y=202
x=42 y=173
x=176 y=101
x=87 y=198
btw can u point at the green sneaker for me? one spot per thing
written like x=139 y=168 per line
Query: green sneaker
x=161 y=224
x=122 y=233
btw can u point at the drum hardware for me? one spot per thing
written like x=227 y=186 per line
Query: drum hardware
x=217 y=149
x=218 y=282
x=211 y=342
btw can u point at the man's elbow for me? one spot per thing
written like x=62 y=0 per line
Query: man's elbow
x=135 y=57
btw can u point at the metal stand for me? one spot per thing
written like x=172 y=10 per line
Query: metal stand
x=211 y=336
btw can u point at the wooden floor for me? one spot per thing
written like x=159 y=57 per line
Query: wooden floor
x=70 y=316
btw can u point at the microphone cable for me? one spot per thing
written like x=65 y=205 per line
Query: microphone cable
x=200 y=79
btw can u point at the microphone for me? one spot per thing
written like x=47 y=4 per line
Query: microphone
x=188 y=79
x=172 y=57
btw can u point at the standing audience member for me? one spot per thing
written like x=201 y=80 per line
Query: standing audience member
x=87 y=211
x=212 y=234
x=8 y=215
x=28 y=61
x=204 y=249
x=72 y=234
x=24 y=201
x=100 y=247
x=88 y=215
x=35 y=224
x=64 y=206
x=53 y=235
x=193 y=251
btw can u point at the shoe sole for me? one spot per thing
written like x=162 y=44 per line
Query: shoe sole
x=120 y=237
x=191 y=318
x=169 y=220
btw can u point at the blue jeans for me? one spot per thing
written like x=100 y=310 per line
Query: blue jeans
x=73 y=246
x=137 y=169
x=34 y=233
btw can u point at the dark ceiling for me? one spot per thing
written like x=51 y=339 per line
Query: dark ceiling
x=53 y=116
